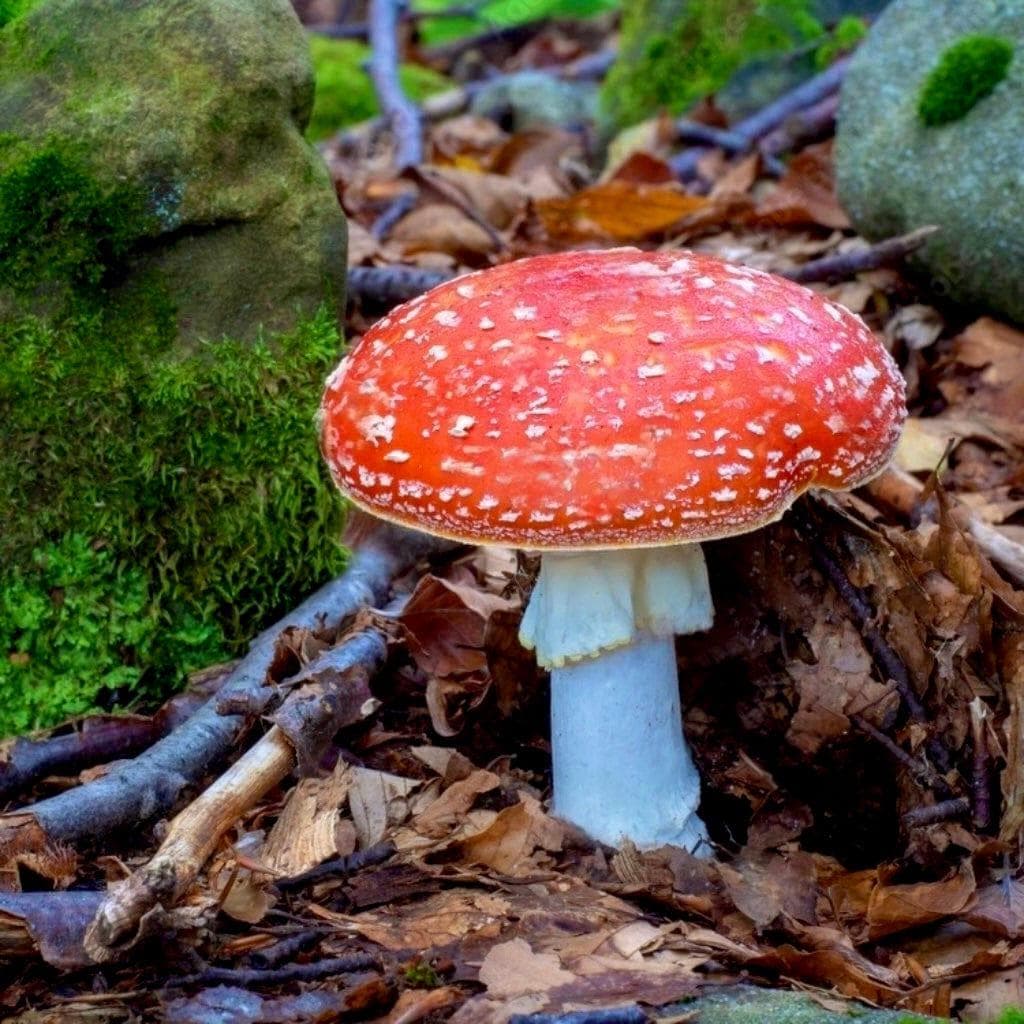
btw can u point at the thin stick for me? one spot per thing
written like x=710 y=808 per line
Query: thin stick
x=248 y=977
x=143 y=789
x=338 y=867
x=942 y=811
x=845 y=265
x=759 y=124
x=388 y=286
x=401 y=113
x=982 y=812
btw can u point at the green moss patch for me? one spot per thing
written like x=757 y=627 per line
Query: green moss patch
x=967 y=72
x=344 y=93
x=159 y=506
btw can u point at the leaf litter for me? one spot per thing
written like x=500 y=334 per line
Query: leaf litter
x=867 y=822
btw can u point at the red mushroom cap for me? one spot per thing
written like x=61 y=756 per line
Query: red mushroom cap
x=608 y=399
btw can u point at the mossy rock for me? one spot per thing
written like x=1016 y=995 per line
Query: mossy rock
x=172 y=262
x=929 y=132
x=344 y=93
x=189 y=119
x=673 y=53
x=159 y=506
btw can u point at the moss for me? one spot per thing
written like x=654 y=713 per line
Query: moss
x=673 y=54
x=159 y=507
x=344 y=93
x=58 y=224
x=966 y=73
x=1011 y=1015
x=499 y=14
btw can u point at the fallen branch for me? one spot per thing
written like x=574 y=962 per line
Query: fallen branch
x=804 y=126
x=758 y=125
x=339 y=867
x=845 y=265
x=247 y=977
x=337 y=695
x=401 y=113
x=141 y=790
x=388 y=286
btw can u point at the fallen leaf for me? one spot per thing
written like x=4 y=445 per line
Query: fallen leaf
x=377 y=801
x=451 y=806
x=805 y=193
x=618 y=211
x=896 y=908
x=513 y=969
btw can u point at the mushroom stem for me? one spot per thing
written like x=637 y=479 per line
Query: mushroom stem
x=603 y=622
x=621 y=765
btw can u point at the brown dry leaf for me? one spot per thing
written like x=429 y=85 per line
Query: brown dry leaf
x=643 y=168
x=764 y=885
x=618 y=211
x=445 y=623
x=897 y=908
x=806 y=192
x=917 y=326
x=739 y=179
x=925 y=441
x=995 y=352
x=449 y=916
x=513 y=969
x=999 y=909
x=453 y=804
x=441 y=228
x=508 y=844
x=377 y=801
x=1010 y=655
x=837 y=685
x=837 y=968
x=310 y=827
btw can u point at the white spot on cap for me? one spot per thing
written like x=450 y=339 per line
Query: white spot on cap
x=536 y=430
x=397 y=455
x=650 y=370
x=462 y=426
x=704 y=282
x=866 y=372
x=588 y=357
x=488 y=501
x=501 y=343
x=766 y=355
x=792 y=430
x=486 y=323
x=436 y=353
x=728 y=471
x=725 y=494
x=377 y=428
x=524 y=313
x=447 y=318
x=764 y=493
x=800 y=315
x=657 y=337
x=464 y=291
x=549 y=335
x=631 y=512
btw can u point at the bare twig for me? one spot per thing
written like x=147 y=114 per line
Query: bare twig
x=401 y=113
x=919 y=769
x=392 y=214
x=804 y=126
x=942 y=811
x=980 y=788
x=141 y=790
x=759 y=124
x=245 y=977
x=286 y=949
x=338 y=867
x=847 y=264
x=388 y=286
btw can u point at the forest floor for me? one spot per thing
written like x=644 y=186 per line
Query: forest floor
x=856 y=712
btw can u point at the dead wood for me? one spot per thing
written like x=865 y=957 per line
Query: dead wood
x=388 y=286
x=337 y=694
x=246 y=977
x=402 y=115
x=848 y=264
x=138 y=791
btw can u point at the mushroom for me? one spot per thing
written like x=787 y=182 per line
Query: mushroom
x=611 y=410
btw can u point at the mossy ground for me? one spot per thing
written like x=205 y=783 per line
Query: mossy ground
x=966 y=73
x=672 y=54
x=158 y=507
x=344 y=93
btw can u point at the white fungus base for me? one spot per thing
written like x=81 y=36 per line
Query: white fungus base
x=603 y=621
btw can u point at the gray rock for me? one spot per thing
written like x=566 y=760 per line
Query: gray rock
x=199 y=107
x=895 y=174
x=533 y=99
